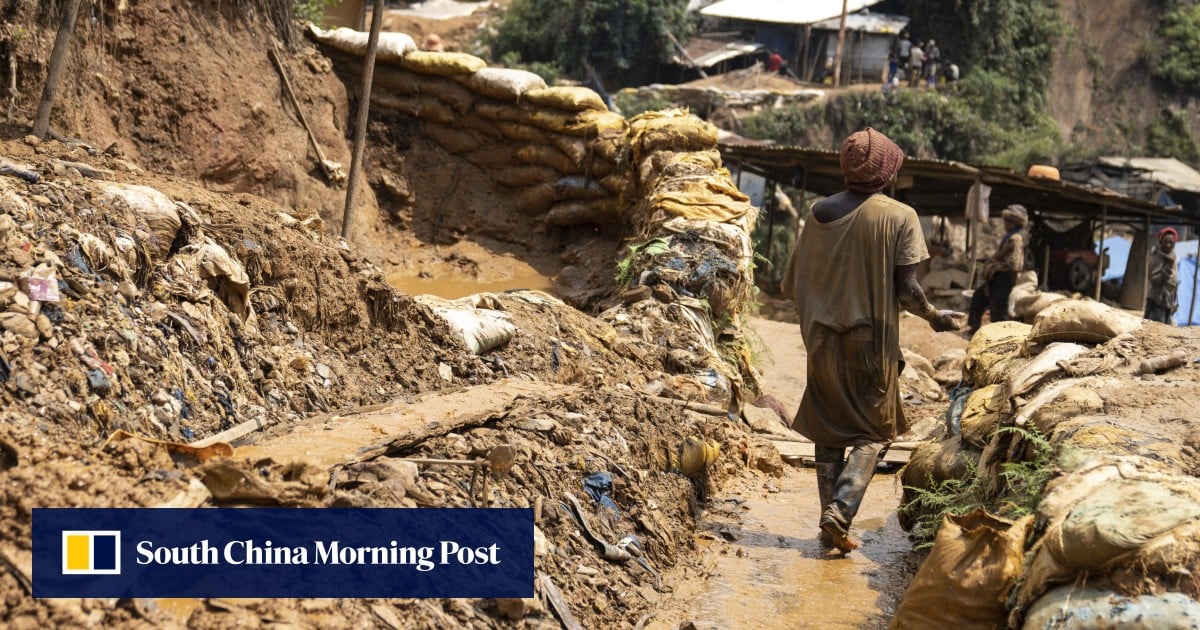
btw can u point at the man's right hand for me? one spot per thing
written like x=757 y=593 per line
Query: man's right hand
x=947 y=320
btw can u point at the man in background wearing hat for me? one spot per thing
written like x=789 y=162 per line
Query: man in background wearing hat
x=853 y=268
x=1000 y=272
x=1163 y=298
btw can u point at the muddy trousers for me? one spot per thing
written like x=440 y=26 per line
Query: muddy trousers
x=842 y=480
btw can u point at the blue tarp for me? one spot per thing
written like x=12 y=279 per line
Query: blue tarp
x=1185 y=254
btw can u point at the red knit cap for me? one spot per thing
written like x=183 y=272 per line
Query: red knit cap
x=1168 y=230
x=869 y=161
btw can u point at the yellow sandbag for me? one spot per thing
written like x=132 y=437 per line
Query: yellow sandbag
x=523 y=175
x=616 y=183
x=671 y=130
x=1081 y=321
x=995 y=349
x=697 y=455
x=545 y=155
x=713 y=199
x=520 y=132
x=493 y=156
x=402 y=81
x=573 y=99
x=598 y=212
x=442 y=63
x=418 y=105
x=453 y=139
x=981 y=414
x=535 y=200
x=965 y=581
x=598 y=123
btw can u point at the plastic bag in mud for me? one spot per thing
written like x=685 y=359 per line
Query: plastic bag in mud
x=965 y=581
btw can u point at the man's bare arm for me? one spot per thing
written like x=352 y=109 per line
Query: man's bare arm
x=912 y=298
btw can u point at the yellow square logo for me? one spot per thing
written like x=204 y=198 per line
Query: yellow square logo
x=91 y=552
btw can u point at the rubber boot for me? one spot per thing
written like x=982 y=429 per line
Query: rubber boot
x=827 y=475
x=829 y=467
x=848 y=493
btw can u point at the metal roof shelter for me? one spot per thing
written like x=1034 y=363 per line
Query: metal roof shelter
x=940 y=187
x=783 y=11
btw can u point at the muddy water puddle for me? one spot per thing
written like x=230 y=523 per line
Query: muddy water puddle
x=769 y=571
x=455 y=285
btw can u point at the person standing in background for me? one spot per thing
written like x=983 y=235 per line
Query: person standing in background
x=1000 y=272
x=853 y=268
x=916 y=65
x=1163 y=299
x=933 y=58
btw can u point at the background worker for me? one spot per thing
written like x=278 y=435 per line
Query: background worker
x=1000 y=272
x=853 y=268
x=1163 y=299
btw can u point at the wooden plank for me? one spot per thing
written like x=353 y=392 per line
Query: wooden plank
x=335 y=439
x=805 y=452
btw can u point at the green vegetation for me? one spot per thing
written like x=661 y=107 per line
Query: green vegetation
x=622 y=40
x=634 y=102
x=1177 y=61
x=1016 y=492
x=311 y=10
x=997 y=114
x=1168 y=136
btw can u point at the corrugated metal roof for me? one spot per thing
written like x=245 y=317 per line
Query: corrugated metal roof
x=867 y=22
x=1166 y=171
x=728 y=51
x=783 y=11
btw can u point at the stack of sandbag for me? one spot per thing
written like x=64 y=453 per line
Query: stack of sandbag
x=688 y=199
x=691 y=254
x=1125 y=525
x=1122 y=522
x=557 y=148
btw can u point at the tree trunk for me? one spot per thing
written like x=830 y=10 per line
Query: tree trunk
x=62 y=44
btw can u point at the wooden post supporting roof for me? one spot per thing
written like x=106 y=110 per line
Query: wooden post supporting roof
x=1100 y=250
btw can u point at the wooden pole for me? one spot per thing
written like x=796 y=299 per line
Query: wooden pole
x=837 y=61
x=62 y=44
x=804 y=74
x=364 y=106
x=1100 y=250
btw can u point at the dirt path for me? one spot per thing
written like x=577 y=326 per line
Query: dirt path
x=762 y=564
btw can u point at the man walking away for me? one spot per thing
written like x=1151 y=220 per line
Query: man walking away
x=1163 y=299
x=853 y=268
x=1000 y=272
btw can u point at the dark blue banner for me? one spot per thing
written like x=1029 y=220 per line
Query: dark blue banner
x=282 y=552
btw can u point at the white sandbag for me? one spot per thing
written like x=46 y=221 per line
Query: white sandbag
x=1079 y=608
x=392 y=46
x=1044 y=366
x=1081 y=321
x=157 y=217
x=480 y=329
x=504 y=83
